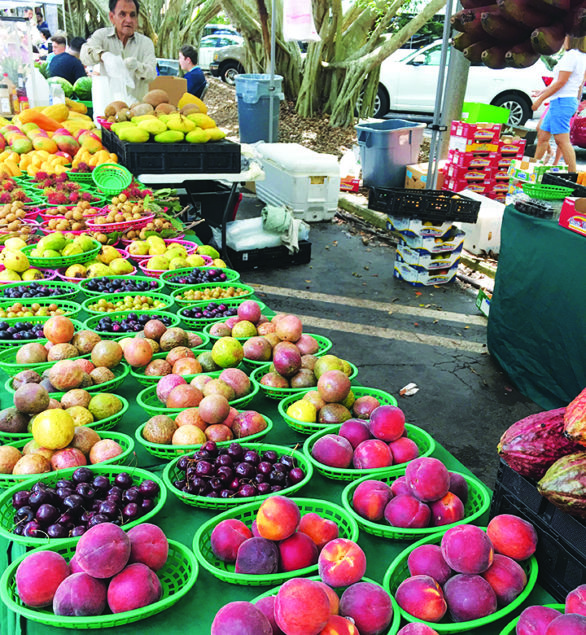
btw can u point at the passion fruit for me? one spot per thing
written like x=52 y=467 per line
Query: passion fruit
x=106 y=353
x=62 y=351
x=85 y=341
x=159 y=429
x=172 y=338
x=33 y=353
x=25 y=377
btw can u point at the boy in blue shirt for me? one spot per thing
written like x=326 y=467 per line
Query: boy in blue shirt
x=196 y=81
x=63 y=64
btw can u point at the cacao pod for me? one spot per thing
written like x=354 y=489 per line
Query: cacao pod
x=575 y=419
x=564 y=484
x=534 y=443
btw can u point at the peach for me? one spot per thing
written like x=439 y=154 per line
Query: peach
x=355 y=430
x=302 y=607
x=371 y=454
x=369 y=606
x=277 y=518
x=241 y=618
x=320 y=530
x=149 y=545
x=257 y=556
x=506 y=577
x=407 y=511
x=103 y=550
x=570 y=624
x=403 y=450
x=267 y=607
x=74 y=566
x=333 y=450
x=80 y=595
x=469 y=597
x=339 y=626
x=297 y=552
x=467 y=549
x=428 y=560
x=417 y=628
x=536 y=619
x=370 y=499
x=512 y=536
x=38 y=577
x=332 y=597
x=459 y=486
x=226 y=538
x=387 y=423
x=341 y=563
x=576 y=600
x=446 y=510
x=428 y=479
x=400 y=486
x=422 y=597
x=134 y=587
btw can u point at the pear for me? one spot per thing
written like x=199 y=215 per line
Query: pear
x=193 y=260
x=138 y=248
x=72 y=250
x=154 y=240
x=108 y=254
x=85 y=242
x=53 y=242
x=15 y=261
x=75 y=271
x=9 y=276
x=32 y=274
x=16 y=244
x=178 y=263
x=120 y=267
x=157 y=249
x=97 y=270
x=158 y=263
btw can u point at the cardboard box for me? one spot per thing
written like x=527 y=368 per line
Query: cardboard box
x=422 y=277
x=426 y=260
x=512 y=146
x=450 y=241
x=457 y=185
x=485 y=235
x=473 y=161
x=416 y=176
x=349 y=184
x=529 y=170
x=459 y=172
x=175 y=87
x=465 y=145
x=413 y=227
x=483 y=302
x=477 y=132
x=573 y=215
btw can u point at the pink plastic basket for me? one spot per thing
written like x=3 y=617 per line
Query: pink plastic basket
x=46 y=216
x=105 y=123
x=127 y=242
x=121 y=226
x=61 y=275
x=45 y=230
x=190 y=247
x=156 y=273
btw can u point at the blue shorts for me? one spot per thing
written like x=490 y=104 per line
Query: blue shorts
x=557 y=118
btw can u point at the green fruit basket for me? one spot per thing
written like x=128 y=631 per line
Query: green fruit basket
x=283 y=393
x=398 y=571
x=4 y=344
x=310 y=427
x=477 y=504
x=83 y=285
x=147 y=399
x=200 y=323
x=169 y=452
x=170 y=278
x=393 y=626
x=177 y=578
x=91 y=323
x=111 y=178
x=511 y=627
x=11 y=367
x=62 y=261
x=67 y=290
x=80 y=177
x=424 y=442
x=120 y=297
x=7 y=511
x=324 y=343
x=69 y=308
x=246 y=292
x=125 y=442
x=247 y=514
x=547 y=192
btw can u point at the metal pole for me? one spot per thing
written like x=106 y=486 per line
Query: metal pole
x=272 y=68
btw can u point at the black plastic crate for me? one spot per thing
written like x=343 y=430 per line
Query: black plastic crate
x=432 y=205
x=561 y=545
x=269 y=257
x=217 y=157
x=564 y=179
x=539 y=209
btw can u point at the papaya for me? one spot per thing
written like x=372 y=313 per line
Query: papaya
x=76 y=106
x=188 y=98
x=575 y=419
x=44 y=122
x=58 y=112
x=564 y=484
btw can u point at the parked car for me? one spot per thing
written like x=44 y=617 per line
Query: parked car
x=409 y=85
x=210 y=44
x=218 y=29
x=228 y=62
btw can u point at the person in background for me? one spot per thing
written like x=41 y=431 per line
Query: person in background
x=121 y=39
x=75 y=45
x=196 y=81
x=45 y=46
x=41 y=22
x=564 y=93
x=28 y=13
x=63 y=64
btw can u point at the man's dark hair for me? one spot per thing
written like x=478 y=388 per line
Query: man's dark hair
x=46 y=33
x=76 y=43
x=39 y=12
x=59 y=39
x=190 y=52
x=112 y=5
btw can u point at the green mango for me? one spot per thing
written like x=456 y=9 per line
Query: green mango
x=169 y=136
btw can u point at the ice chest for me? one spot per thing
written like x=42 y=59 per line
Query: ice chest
x=485 y=234
x=305 y=181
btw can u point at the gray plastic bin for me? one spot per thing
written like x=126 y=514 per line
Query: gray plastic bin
x=386 y=147
x=253 y=92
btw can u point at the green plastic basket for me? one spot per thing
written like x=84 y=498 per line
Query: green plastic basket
x=177 y=577
x=81 y=177
x=70 y=309
x=398 y=571
x=170 y=277
x=393 y=626
x=147 y=399
x=247 y=514
x=126 y=442
x=92 y=322
x=111 y=178
x=90 y=294
x=324 y=343
x=546 y=192
x=67 y=290
x=10 y=366
x=178 y=293
x=200 y=323
x=424 y=442
x=477 y=504
x=304 y=427
x=7 y=511
x=169 y=452
x=4 y=344
x=283 y=393
x=510 y=628
x=61 y=261
x=115 y=297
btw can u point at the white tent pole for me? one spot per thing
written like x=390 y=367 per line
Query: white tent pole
x=272 y=68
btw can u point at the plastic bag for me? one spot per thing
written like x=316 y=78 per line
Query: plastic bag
x=578 y=127
x=119 y=82
x=298 y=21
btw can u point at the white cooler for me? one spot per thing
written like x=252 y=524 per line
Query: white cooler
x=305 y=181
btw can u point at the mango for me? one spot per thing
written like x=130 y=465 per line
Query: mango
x=21 y=145
x=202 y=120
x=215 y=134
x=66 y=143
x=170 y=136
x=2 y=143
x=134 y=134
x=29 y=127
x=120 y=125
x=58 y=112
x=188 y=98
x=76 y=106
x=180 y=123
x=44 y=143
x=153 y=126
x=12 y=165
x=73 y=126
x=196 y=136
x=140 y=118
x=90 y=143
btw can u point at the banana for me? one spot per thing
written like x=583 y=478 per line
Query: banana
x=498 y=27
x=463 y=41
x=548 y=40
x=522 y=55
x=523 y=12
x=474 y=52
x=468 y=20
x=494 y=57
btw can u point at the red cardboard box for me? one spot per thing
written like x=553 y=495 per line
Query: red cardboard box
x=513 y=147
x=458 y=172
x=477 y=132
x=457 y=185
x=573 y=215
x=473 y=161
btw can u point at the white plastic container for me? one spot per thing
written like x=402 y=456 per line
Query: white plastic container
x=485 y=234
x=37 y=89
x=305 y=181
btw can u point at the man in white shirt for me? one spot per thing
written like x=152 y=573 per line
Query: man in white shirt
x=136 y=50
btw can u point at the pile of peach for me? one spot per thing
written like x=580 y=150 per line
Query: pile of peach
x=364 y=445
x=427 y=496
x=110 y=569
x=547 y=620
x=471 y=574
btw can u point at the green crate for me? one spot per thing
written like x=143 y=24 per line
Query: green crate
x=477 y=504
x=68 y=290
x=10 y=366
x=177 y=293
x=169 y=452
x=304 y=427
x=177 y=577
x=88 y=293
x=170 y=277
x=398 y=571
x=200 y=323
x=7 y=511
x=4 y=344
x=61 y=261
x=324 y=343
x=247 y=514
x=70 y=309
x=424 y=442
x=91 y=323
x=114 y=297
x=511 y=627
x=547 y=192
x=126 y=442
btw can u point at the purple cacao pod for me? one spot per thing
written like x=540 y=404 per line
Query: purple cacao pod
x=564 y=484
x=575 y=419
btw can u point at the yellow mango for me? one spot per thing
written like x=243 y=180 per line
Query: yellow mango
x=58 y=112
x=4 y=122
x=215 y=134
x=77 y=116
x=25 y=161
x=37 y=160
x=32 y=170
x=103 y=156
x=93 y=161
x=91 y=144
x=45 y=154
x=30 y=127
x=4 y=155
x=198 y=135
x=13 y=167
x=4 y=172
x=14 y=157
x=60 y=169
x=76 y=106
x=46 y=144
x=201 y=120
x=113 y=157
x=188 y=98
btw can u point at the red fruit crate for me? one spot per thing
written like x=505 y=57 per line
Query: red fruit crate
x=478 y=132
x=473 y=161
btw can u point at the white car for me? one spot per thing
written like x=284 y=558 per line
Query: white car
x=409 y=85
x=209 y=45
